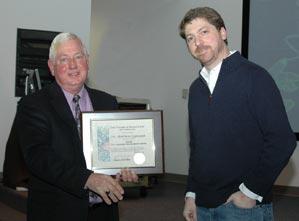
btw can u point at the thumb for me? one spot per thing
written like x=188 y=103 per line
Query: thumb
x=118 y=177
x=229 y=199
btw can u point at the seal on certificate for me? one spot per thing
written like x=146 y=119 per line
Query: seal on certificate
x=139 y=158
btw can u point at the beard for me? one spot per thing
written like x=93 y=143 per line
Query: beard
x=200 y=49
x=201 y=52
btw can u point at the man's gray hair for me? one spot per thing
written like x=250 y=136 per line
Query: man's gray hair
x=60 y=38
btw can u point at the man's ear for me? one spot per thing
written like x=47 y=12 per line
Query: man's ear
x=223 y=33
x=51 y=66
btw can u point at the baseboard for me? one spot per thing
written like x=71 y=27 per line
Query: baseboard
x=13 y=198
x=175 y=178
x=277 y=189
x=286 y=190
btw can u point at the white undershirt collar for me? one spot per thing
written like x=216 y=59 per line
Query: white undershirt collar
x=212 y=75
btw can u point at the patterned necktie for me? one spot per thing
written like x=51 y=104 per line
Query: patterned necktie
x=93 y=198
x=76 y=99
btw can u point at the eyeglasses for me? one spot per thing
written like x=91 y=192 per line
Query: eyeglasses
x=64 y=59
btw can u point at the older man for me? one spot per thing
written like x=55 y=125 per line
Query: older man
x=61 y=186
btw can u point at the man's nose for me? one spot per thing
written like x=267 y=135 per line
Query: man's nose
x=198 y=41
x=72 y=63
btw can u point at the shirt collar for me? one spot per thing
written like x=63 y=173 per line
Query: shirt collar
x=69 y=97
x=206 y=74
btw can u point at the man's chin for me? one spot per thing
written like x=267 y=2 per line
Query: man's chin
x=201 y=59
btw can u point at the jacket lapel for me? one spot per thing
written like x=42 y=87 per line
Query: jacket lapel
x=59 y=103
x=94 y=99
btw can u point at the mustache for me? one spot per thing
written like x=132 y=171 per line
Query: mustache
x=200 y=48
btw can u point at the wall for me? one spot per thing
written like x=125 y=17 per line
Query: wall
x=54 y=15
x=136 y=52
x=290 y=175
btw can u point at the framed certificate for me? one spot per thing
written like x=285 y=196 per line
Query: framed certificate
x=123 y=139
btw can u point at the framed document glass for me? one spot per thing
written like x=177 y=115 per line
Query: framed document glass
x=123 y=139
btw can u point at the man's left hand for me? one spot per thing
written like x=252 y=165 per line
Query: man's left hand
x=241 y=200
x=127 y=175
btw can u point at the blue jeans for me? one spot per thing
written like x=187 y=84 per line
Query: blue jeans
x=230 y=212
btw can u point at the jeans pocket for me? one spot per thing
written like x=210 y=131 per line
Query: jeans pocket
x=232 y=204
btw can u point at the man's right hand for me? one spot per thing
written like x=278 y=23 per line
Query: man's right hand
x=190 y=209
x=106 y=186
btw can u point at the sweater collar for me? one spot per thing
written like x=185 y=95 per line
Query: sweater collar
x=231 y=62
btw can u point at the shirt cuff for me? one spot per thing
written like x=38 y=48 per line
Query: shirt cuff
x=249 y=194
x=191 y=195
